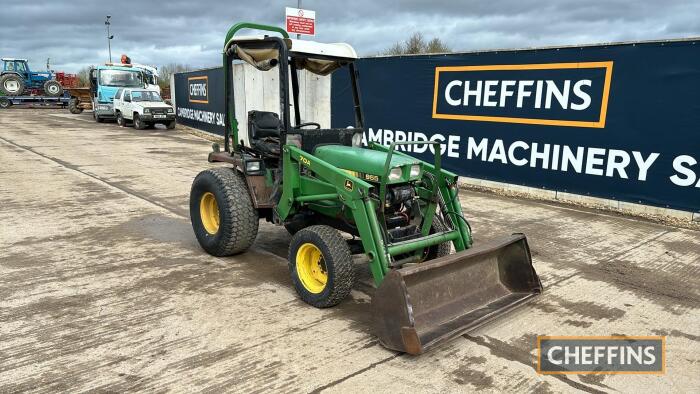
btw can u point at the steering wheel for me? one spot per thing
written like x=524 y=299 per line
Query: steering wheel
x=300 y=125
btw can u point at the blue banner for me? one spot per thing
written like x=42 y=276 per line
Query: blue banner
x=199 y=99
x=614 y=121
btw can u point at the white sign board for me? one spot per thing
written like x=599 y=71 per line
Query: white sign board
x=299 y=21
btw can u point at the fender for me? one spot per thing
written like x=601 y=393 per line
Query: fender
x=258 y=188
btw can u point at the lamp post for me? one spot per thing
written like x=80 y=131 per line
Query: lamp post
x=109 y=38
x=299 y=7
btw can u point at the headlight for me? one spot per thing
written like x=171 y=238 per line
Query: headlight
x=357 y=140
x=415 y=171
x=170 y=110
x=146 y=111
x=252 y=167
x=395 y=173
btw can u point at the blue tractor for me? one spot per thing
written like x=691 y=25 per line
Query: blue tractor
x=17 y=79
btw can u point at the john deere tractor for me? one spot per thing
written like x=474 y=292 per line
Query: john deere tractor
x=344 y=202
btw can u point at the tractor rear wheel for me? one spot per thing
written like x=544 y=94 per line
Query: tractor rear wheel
x=222 y=213
x=53 y=88
x=73 y=106
x=321 y=266
x=11 y=85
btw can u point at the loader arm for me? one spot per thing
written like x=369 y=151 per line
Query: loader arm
x=332 y=184
x=353 y=195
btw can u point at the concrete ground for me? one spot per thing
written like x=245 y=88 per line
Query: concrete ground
x=103 y=285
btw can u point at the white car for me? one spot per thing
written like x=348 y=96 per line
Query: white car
x=143 y=107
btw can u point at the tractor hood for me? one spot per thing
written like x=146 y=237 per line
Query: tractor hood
x=363 y=160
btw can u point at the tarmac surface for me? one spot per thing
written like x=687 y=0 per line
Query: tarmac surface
x=103 y=285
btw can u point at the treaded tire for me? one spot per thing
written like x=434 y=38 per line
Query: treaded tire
x=171 y=125
x=442 y=249
x=138 y=123
x=17 y=79
x=238 y=219
x=120 y=119
x=53 y=88
x=5 y=102
x=338 y=264
x=73 y=106
x=97 y=118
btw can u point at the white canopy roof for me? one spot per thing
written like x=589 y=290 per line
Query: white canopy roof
x=339 y=49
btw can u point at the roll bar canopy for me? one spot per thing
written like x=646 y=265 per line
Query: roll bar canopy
x=267 y=51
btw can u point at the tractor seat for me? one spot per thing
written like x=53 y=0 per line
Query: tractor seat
x=264 y=132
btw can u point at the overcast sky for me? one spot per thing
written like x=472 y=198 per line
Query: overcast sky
x=72 y=33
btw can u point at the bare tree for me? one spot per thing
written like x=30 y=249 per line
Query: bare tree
x=396 y=49
x=417 y=44
x=167 y=70
x=437 y=46
x=84 y=77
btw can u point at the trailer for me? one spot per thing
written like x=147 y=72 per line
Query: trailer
x=38 y=101
x=80 y=99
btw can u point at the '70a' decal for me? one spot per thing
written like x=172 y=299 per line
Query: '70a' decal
x=304 y=161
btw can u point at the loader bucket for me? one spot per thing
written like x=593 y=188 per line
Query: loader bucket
x=420 y=306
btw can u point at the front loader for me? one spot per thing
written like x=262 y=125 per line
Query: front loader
x=339 y=198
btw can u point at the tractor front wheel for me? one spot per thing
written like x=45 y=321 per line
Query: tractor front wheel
x=321 y=266
x=11 y=85
x=5 y=102
x=222 y=213
x=53 y=88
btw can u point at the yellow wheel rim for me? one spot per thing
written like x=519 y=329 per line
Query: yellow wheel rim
x=209 y=212
x=311 y=268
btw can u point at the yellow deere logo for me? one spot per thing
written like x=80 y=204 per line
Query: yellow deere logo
x=349 y=185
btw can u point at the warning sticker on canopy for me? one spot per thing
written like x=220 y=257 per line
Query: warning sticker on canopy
x=300 y=21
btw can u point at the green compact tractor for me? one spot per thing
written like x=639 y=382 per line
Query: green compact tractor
x=339 y=198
